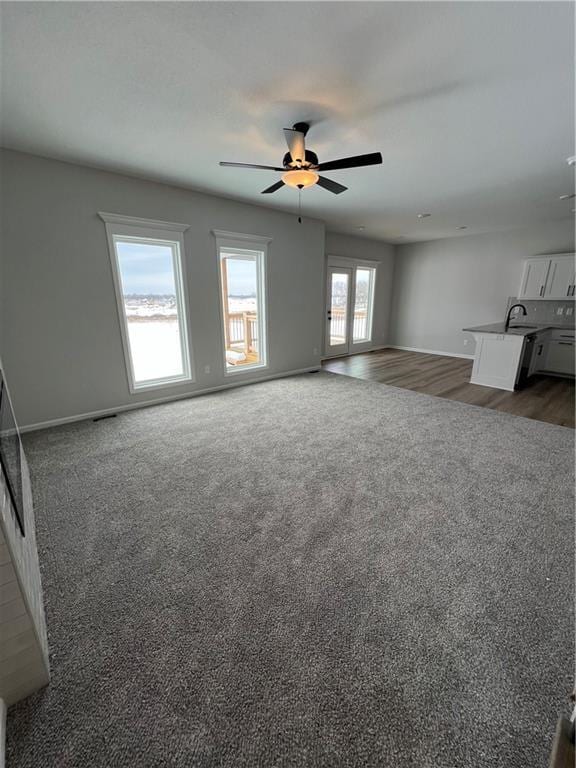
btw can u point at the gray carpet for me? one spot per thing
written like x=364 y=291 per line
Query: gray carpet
x=315 y=571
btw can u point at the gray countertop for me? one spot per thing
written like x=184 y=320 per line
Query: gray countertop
x=513 y=330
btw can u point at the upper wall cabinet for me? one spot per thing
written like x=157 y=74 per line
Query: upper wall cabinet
x=560 y=283
x=534 y=278
x=548 y=277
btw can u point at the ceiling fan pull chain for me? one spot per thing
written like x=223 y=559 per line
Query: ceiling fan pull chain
x=299 y=206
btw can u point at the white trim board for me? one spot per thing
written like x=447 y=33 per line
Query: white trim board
x=222 y=234
x=137 y=221
x=350 y=261
x=161 y=400
x=430 y=351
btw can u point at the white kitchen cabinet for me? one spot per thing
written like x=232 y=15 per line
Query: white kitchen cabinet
x=548 y=277
x=560 y=357
x=560 y=283
x=560 y=353
x=534 y=278
x=497 y=359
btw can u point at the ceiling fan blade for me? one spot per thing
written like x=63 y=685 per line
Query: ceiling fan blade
x=273 y=188
x=250 y=165
x=331 y=186
x=375 y=158
x=296 y=147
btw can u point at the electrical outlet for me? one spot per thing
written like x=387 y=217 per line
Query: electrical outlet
x=315 y=351
x=207 y=369
x=465 y=342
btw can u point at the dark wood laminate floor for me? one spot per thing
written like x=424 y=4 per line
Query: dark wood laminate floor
x=545 y=398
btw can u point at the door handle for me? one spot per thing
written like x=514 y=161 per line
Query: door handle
x=569 y=291
x=541 y=290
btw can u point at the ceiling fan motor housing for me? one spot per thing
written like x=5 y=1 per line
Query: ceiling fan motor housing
x=311 y=159
x=301 y=127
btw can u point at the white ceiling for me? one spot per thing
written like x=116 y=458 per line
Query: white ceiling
x=471 y=104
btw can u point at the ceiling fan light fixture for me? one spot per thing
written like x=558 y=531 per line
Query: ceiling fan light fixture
x=300 y=179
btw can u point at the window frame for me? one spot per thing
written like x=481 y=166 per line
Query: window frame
x=131 y=229
x=257 y=245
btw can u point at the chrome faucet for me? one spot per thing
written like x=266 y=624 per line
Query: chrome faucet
x=507 y=323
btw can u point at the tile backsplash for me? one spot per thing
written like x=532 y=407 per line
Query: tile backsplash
x=542 y=312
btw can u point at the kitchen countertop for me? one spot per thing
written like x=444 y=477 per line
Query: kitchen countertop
x=513 y=330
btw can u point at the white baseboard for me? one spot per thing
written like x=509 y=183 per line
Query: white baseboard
x=430 y=351
x=159 y=401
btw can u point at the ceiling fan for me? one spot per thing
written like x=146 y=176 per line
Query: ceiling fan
x=301 y=166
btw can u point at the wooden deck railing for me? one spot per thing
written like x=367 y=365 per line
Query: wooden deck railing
x=338 y=324
x=241 y=330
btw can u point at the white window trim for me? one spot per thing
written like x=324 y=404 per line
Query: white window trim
x=236 y=241
x=343 y=261
x=119 y=227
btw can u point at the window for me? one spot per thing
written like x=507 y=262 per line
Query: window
x=147 y=266
x=241 y=264
x=363 y=303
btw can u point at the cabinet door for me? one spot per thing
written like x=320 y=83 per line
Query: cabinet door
x=534 y=279
x=560 y=357
x=560 y=278
x=539 y=352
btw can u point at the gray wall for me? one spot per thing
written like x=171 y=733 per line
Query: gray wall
x=59 y=326
x=361 y=248
x=443 y=286
x=59 y=330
